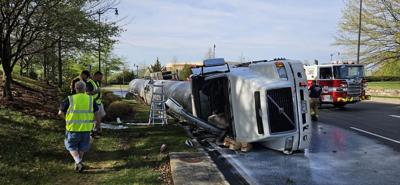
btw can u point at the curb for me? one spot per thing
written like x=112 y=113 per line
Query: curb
x=385 y=100
x=194 y=168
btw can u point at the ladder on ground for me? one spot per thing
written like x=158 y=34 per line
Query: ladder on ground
x=157 y=113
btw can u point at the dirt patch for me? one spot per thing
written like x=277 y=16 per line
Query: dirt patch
x=29 y=101
x=165 y=171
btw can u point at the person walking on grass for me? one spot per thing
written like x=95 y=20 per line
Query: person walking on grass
x=79 y=111
x=315 y=94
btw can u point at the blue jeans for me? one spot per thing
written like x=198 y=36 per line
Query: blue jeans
x=77 y=141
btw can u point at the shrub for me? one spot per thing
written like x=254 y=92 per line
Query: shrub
x=33 y=75
x=382 y=78
x=119 y=109
x=108 y=98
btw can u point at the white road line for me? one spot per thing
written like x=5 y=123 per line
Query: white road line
x=383 y=137
x=395 y=116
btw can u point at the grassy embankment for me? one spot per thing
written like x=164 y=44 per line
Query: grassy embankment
x=385 y=85
x=117 y=87
x=32 y=149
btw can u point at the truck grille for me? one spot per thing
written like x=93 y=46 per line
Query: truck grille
x=354 y=89
x=280 y=110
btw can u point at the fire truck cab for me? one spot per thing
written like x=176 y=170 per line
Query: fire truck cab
x=341 y=82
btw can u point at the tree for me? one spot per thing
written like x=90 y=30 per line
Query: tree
x=21 y=24
x=123 y=77
x=156 y=67
x=380 y=29
x=186 y=72
x=36 y=27
x=389 y=69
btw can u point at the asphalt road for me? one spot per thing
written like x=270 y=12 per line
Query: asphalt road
x=378 y=121
x=357 y=145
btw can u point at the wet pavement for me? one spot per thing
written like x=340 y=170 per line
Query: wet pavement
x=378 y=119
x=337 y=156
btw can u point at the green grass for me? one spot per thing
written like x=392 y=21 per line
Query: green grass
x=27 y=82
x=142 y=111
x=32 y=152
x=384 y=85
x=116 y=87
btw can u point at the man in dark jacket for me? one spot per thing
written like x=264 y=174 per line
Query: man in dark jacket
x=84 y=76
x=315 y=94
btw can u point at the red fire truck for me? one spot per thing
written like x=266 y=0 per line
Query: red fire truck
x=341 y=82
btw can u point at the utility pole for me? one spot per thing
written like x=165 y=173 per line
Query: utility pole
x=359 y=34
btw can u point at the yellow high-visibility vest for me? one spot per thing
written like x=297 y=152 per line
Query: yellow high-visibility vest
x=80 y=114
x=97 y=96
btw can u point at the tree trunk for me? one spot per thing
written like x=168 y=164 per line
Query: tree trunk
x=7 y=93
x=21 y=69
x=53 y=77
x=106 y=76
x=60 y=81
x=45 y=66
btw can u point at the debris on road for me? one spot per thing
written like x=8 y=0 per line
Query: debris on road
x=234 y=145
x=113 y=127
x=163 y=148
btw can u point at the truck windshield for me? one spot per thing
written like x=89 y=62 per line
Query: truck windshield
x=346 y=72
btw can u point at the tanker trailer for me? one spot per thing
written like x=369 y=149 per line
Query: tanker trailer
x=262 y=101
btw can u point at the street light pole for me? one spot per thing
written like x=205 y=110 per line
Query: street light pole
x=137 y=70
x=214 y=51
x=99 y=44
x=359 y=33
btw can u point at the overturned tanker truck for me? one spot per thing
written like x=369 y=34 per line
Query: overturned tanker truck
x=262 y=101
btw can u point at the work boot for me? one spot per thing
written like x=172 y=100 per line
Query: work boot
x=94 y=134
x=79 y=167
x=314 y=118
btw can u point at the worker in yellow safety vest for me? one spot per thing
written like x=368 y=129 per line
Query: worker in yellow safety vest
x=80 y=112
x=95 y=91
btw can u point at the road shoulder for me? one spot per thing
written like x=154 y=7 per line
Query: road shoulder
x=385 y=100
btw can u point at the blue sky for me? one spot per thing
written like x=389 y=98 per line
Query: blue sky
x=254 y=29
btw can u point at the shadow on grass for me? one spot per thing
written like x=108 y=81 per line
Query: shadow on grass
x=26 y=150
x=32 y=152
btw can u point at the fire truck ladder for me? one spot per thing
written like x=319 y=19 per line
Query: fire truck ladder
x=157 y=108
